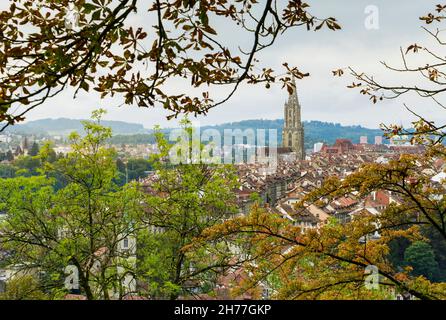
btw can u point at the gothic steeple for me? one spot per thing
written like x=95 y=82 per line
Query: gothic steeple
x=293 y=131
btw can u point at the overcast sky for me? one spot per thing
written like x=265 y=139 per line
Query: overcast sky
x=322 y=96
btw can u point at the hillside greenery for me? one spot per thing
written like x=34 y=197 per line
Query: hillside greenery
x=315 y=131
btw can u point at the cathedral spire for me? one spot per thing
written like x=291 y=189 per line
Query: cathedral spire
x=293 y=131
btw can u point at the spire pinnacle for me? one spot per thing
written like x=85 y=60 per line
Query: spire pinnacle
x=294 y=97
x=293 y=131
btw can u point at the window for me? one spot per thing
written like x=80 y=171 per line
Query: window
x=125 y=244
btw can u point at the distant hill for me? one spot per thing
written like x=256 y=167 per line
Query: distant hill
x=315 y=131
x=132 y=133
x=64 y=126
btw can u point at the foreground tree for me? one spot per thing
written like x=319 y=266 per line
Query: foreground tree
x=47 y=46
x=342 y=260
x=79 y=228
x=339 y=261
x=184 y=199
x=111 y=240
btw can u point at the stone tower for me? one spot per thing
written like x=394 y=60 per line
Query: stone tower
x=293 y=130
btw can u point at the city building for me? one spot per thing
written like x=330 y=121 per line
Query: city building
x=318 y=147
x=341 y=146
x=363 y=140
x=378 y=140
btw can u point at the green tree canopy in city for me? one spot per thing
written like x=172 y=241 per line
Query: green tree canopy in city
x=420 y=256
x=86 y=222
x=185 y=199
x=34 y=150
x=24 y=287
x=82 y=224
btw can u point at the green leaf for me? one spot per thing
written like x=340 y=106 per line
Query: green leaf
x=88 y=7
x=96 y=15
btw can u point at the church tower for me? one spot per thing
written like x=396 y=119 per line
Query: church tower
x=293 y=130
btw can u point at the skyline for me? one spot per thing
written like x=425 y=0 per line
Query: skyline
x=193 y=121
